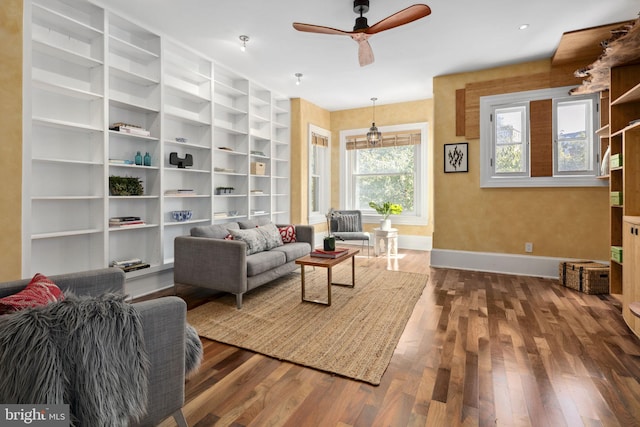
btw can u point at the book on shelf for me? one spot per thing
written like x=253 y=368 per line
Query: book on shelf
x=320 y=253
x=220 y=214
x=124 y=218
x=130 y=264
x=180 y=192
x=129 y=128
x=121 y=162
x=125 y=221
x=125 y=262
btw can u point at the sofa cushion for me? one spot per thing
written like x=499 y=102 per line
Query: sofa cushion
x=288 y=233
x=253 y=223
x=264 y=261
x=258 y=239
x=294 y=251
x=214 y=231
x=40 y=291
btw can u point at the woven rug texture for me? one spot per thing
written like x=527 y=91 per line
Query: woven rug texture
x=355 y=337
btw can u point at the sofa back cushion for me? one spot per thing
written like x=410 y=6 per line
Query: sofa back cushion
x=214 y=231
x=259 y=239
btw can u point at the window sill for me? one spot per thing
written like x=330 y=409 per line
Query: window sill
x=562 y=181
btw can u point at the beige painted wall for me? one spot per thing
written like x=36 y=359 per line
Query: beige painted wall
x=386 y=115
x=303 y=113
x=560 y=222
x=11 y=144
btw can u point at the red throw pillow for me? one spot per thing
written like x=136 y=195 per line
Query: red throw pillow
x=228 y=237
x=288 y=233
x=39 y=291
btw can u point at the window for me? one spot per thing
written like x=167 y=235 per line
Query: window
x=394 y=170
x=511 y=140
x=539 y=138
x=573 y=133
x=319 y=172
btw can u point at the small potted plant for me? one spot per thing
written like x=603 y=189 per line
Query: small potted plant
x=386 y=209
x=329 y=243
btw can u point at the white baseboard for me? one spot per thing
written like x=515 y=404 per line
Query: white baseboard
x=522 y=265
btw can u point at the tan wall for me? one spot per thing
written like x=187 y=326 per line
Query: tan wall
x=560 y=222
x=386 y=115
x=11 y=144
x=303 y=113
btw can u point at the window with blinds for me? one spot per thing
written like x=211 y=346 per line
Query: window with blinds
x=393 y=170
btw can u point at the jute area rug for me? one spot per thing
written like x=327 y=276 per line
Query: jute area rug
x=354 y=337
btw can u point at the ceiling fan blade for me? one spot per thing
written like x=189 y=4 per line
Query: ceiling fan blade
x=308 y=28
x=365 y=53
x=405 y=16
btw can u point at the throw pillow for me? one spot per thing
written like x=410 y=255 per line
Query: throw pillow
x=254 y=240
x=272 y=236
x=288 y=233
x=348 y=223
x=40 y=291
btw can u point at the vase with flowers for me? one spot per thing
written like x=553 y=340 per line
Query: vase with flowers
x=386 y=209
x=329 y=242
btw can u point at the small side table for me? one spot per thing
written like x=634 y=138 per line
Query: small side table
x=387 y=241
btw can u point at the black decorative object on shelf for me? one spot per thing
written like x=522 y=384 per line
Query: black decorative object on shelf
x=181 y=162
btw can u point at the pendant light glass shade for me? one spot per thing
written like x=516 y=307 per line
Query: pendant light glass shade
x=374 y=136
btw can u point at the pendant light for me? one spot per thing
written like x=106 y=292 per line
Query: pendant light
x=374 y=136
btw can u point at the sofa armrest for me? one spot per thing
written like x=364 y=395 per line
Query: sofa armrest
x=210 y=263
x=91 y=282
x=163 y=324
x=305 y=233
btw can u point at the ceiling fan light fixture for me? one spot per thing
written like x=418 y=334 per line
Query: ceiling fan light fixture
x=374 y=135
x=244 y=39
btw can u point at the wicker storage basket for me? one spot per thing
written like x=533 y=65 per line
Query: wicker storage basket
x=585 y=276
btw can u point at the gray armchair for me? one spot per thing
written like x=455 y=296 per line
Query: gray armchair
x=163 y=323
x=347 y=225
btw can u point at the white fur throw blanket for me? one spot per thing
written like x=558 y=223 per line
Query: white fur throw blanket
x=85 y=351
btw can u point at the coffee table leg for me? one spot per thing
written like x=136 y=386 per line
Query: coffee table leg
x=329 y=286
x=302 y=280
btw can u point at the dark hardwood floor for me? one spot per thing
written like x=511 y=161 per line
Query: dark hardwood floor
x=481 y=349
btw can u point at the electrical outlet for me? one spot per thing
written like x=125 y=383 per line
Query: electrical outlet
x=528 y=247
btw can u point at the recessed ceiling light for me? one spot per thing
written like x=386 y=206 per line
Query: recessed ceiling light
x=523 y=27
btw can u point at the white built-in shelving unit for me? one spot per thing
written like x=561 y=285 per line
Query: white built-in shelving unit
x=87 y=68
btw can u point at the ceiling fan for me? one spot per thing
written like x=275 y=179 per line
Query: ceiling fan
x=362 y=31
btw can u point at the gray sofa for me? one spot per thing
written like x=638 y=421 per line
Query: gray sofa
x=207 y=260
x=163 y=324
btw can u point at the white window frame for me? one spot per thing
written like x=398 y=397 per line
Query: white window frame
x=324 y=201
x=420 y=215
x=488 y=179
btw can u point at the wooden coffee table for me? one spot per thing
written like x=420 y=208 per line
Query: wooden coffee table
x=327 y=263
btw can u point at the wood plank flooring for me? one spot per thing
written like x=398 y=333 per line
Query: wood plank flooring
x=481 y=349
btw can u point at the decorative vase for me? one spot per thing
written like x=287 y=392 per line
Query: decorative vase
x=138 y=159
x=385 y=224
x=329 y=243
x=147 y=159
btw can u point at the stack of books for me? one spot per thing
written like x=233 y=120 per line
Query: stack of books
x=330 y=254
x=130 y=264
x=131 y=129
x=220 y=215
x=125 y=221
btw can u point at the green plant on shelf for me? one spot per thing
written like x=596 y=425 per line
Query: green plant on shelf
x=125 y=186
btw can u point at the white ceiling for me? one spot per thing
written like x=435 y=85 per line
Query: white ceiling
x=458 y=36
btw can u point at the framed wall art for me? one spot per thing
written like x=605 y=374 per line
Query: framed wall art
x=456 y=158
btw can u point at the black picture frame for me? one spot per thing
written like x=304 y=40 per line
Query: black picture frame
x=456 y=157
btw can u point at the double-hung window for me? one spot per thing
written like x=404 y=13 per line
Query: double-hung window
x=393 y=170
x=319 y=173
x=539 y=138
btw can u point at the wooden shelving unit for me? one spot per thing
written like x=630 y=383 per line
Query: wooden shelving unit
x=90 y=68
